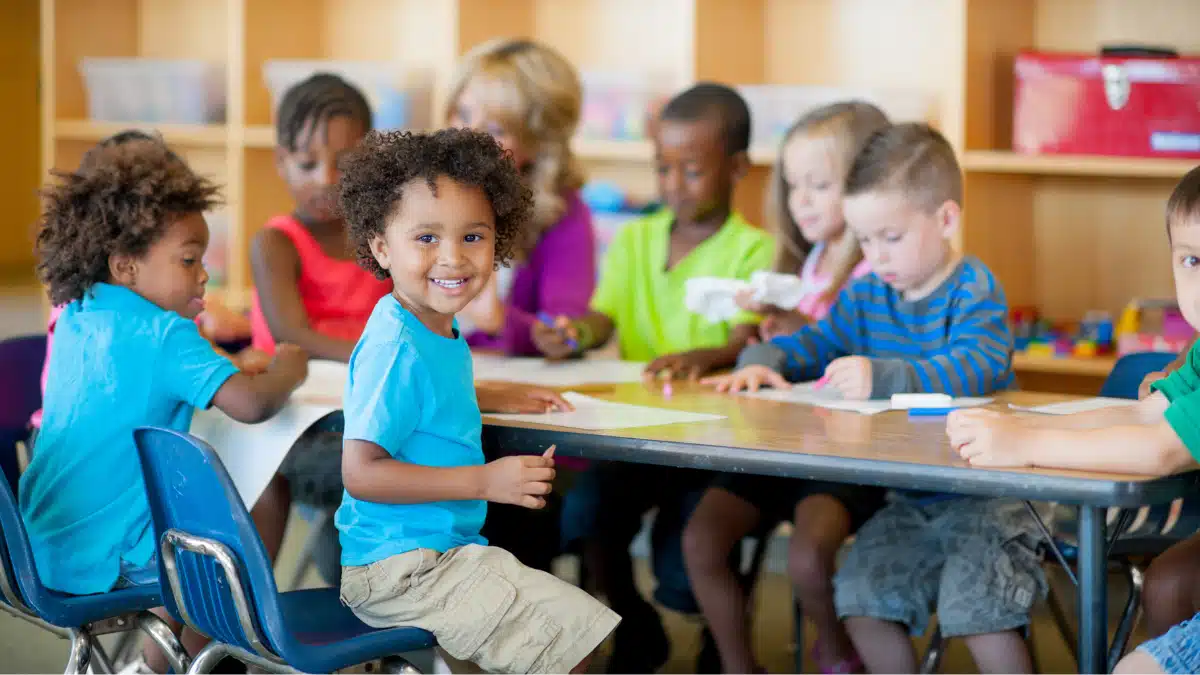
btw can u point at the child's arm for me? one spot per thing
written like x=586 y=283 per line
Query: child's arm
x=253 y=398
x=371 y=474
x=692 y=364
x=1151 y=378
x=276 y=268
x=569 y=336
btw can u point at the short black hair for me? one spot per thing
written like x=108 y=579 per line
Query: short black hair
x=709 y=100
x=912 y=158
x=121 y=203
x=1183 y=206
x=376 y=173
x=315 y=100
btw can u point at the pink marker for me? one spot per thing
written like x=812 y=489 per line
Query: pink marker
x=821 y=382
x=667 y=391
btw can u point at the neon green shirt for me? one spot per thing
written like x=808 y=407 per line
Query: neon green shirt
x=1182 y=389
x=646 y=301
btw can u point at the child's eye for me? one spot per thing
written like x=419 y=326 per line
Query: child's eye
x=473 y=238
x=822 y=185
x=892 y=238
x=308 y=166
x=1189 y=261
x=189 y=261
x=426 y=239
x=693 y=174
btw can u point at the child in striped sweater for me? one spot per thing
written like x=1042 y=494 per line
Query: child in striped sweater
x=925 y=320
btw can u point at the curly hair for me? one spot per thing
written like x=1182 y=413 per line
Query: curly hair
x=376 y=173
x=119 y=203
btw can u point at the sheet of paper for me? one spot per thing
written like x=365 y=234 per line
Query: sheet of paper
x=594 y=414
x=1072 y=407
x=556 y=374
x=805 y=393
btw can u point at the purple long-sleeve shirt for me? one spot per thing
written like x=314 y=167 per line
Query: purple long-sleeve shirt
x=558 y=278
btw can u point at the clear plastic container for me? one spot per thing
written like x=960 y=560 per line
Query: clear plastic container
x=182 y=91
x=216 y=257
x=399 y=98
x=616 y=106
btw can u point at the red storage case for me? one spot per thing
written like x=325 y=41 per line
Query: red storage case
x=1106 y=105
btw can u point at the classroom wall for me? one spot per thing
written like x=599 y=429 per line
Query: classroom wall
x=20 y=171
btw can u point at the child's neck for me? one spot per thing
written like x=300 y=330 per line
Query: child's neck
x=706 y=225
x=436 y=322
x=920 y=291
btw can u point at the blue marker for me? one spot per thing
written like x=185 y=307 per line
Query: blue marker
x=549 y=321
x=930 y=412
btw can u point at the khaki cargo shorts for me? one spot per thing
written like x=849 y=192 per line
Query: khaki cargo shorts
x=483 y=606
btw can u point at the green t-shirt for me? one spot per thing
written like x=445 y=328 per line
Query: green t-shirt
x=646 y=301
x=1182 y=389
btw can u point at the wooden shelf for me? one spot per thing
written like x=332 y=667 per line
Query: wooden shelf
x=198 y=135
x=259 y=136
x=1001 y=161
x=1099 y=366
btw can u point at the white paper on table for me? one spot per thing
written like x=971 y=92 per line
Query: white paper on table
x=805 y=393
x=595 y=414
x=545 y=373
x=325 y=384
x=1072 y=407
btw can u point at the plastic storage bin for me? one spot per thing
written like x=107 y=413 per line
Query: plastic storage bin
x=399 y=98
x=216 y=257
x=774 y=108
x=616 y=105
x=181 y=91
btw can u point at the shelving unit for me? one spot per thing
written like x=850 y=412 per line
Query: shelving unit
x=1067 y=234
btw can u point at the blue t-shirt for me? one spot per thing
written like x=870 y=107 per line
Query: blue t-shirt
x=412 y=393
x=120 y=362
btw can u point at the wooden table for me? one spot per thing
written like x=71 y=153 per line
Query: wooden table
x=889 y=449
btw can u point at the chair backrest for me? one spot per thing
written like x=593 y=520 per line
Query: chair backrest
x=21 y=360
x=1129 y=371
x=13 y=544
x=192 y=497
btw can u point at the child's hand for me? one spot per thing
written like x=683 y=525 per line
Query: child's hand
x=744 y=299
x=558 y=341
x=690 y=365
x=988 y=438
x=522 y=480
x=218 y=323
x=290 y=359
x=782 y=323
x=507 y=397
x=1151 y=378
x=850 y=375
x=252 y=361
x=750 y=378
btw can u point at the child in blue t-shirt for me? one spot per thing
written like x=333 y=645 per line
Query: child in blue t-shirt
x=121 y=246
x=436 y=213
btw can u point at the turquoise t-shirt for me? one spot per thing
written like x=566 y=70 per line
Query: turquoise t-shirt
x=1182 y=389
x=120 y=362
x=411 y=392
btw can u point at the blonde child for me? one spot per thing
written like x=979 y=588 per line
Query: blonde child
x=925 y=319
x=1157 y=436
x=435 y=213
x=814 y=242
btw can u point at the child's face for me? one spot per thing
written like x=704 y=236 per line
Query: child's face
x=695 y=173
x=171 y=273
x=311 y=170
x=472 y=112
x=814 y=187
x=1185 y=263
x=905 y=244
x=438 y=247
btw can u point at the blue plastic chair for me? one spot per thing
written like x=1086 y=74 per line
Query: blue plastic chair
x=80 y=618
x=21 y=361
x=223 y=585
x=1129 y=371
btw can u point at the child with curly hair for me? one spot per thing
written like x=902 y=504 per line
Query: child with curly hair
x=121 y=244
x=437 y=213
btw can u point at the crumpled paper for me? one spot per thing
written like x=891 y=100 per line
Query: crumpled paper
x=714 y=297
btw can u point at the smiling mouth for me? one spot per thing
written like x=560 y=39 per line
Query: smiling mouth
x=450 y=283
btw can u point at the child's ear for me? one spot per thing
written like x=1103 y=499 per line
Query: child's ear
x=949 y=215
x=739 y=165
x=379 y=251
x=122 y=269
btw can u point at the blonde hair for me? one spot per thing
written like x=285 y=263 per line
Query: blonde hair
x=847 y=126
x=536 y=95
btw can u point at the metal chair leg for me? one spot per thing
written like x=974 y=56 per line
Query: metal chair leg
x=100 y=662
x=397 y=665
x=1129 y=616
x=80 y=655
x=164 y=638
x=1062 y=622
x=208 y=657
x=933 y=653
x=798 y=632
x=311 y=540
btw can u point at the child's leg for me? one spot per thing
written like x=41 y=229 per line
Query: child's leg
x=991 y=579
x=716 y=527
x=887 y=584
x=1172 y=593
x=1176 y=651
x=822 y=524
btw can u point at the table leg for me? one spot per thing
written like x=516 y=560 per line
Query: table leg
x=1093 y=591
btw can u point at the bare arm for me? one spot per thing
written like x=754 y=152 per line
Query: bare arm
x=253 y=398
x=1150 y=449
x=1147 y=411
x=276 y=267
x=372 y=475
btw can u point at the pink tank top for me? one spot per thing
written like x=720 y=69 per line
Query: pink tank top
x=338 y=295
x=815 y=302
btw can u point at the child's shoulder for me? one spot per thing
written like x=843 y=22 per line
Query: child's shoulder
x=974 y=279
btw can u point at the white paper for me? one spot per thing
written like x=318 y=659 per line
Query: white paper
x=1072 y=407
x=805 y=393
x=543 y=373
x=595 y=414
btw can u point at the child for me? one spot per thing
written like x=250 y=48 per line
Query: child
x=121 y=245
x=924 y=320
x=528 y=97
x=1162 y=428
x=700 y=149
x=436 y=213
x=310 y=290
x=814 y=242
x=805 y=200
